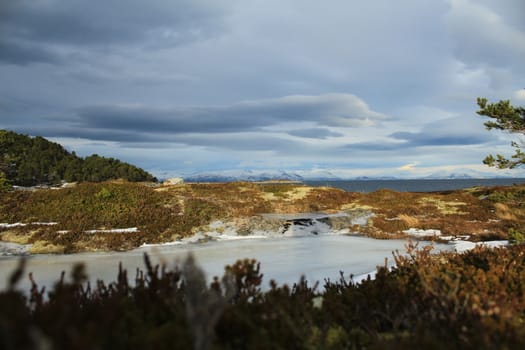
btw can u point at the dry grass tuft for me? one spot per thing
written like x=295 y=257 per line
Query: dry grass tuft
x=356 y=205
x=504 y=212
x=16 y=236
x=44 y=247
x=410 y=221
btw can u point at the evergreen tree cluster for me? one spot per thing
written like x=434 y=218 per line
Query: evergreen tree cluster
x=507 y=118
x=29 y=161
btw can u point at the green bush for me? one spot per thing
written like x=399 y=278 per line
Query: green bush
x=516 y=236
x=4 y=183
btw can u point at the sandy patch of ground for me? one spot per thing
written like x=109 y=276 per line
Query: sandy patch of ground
x=15 y=236
x=354 y=206
x=296 y=193
x=444 y=207
x=44 y=247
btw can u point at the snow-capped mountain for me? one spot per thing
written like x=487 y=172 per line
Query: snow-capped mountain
x=338 y=174
x=471 y=174
x=243 y=175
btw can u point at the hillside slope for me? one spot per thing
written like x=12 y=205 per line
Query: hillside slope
x=29 y=161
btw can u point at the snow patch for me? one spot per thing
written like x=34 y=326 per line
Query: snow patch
x=415 y=232
x=463 y=246
x=114 y=230
x=150 y=245
x=21 y=224
x=16 y=224
x=13 y=249
x=233 y=238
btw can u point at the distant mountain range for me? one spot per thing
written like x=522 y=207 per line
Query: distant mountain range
x=327 y=175
x=244 y=175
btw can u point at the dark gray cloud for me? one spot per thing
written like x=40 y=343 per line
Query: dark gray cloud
x=245 y=126
x=59 y=130
x=315 y=133
x=30 y=28
x=13 y=52
x=241 y=142
x=336 y=110
x=432 y=139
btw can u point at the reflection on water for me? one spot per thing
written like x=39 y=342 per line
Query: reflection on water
x=282 y=259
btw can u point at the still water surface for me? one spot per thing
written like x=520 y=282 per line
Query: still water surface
x=415 y=185
x=282 y=259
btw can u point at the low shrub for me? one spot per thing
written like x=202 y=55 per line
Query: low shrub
x=473 y=300
x=516 y=236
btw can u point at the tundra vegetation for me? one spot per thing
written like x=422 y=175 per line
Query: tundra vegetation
x=167 y=213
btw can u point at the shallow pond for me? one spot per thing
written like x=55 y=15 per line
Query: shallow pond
x=283 y=259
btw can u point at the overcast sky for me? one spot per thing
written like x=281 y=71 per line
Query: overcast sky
x=376 y=87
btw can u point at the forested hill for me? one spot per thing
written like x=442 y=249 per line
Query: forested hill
x=28 y=161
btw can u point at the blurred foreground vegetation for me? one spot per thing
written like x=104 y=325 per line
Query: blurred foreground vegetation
x=473 y=300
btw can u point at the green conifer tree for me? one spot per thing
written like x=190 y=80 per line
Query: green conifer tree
x=4 y=183
x=507 y=118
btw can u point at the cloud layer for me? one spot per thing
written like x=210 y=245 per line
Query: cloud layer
x=192 y=85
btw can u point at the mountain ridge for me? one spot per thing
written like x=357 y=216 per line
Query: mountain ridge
x=327 y=175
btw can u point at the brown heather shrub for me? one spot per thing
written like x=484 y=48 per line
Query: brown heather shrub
x=473 y=300
x=389 y=225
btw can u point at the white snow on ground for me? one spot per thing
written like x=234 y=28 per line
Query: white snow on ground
x=21 y=224
x=226 y=231
x=233 y=238
x=16 y=224
x=455 y=238
x=8 y=249
x=219 y=230
x=463 y=246
x=150 y=245
x=115 y=230
x=415 y=232
x=362 y=220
